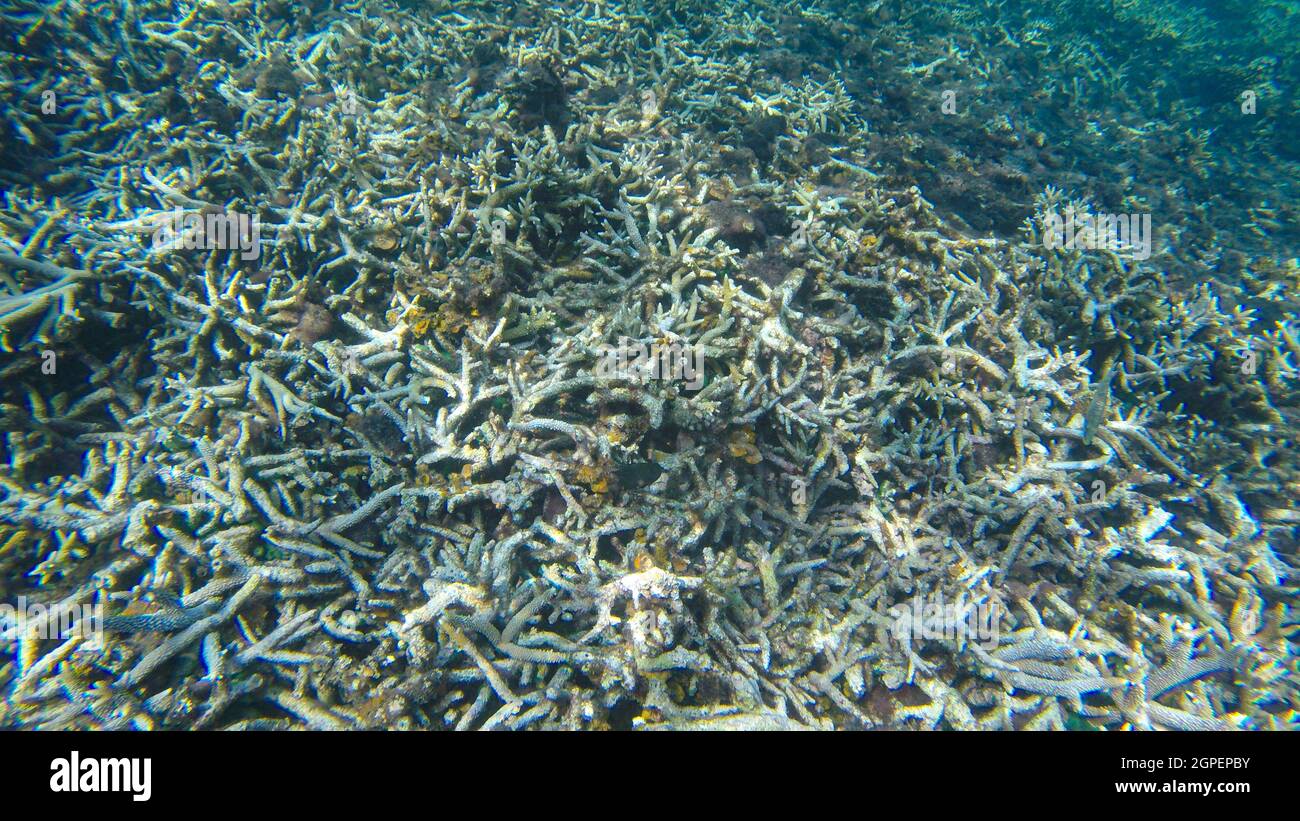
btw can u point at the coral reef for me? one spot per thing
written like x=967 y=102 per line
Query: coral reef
x=373 y=475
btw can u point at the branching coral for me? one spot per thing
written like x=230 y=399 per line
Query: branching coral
x=383 y=476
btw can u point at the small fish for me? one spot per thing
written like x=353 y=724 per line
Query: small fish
x=169 y=619
x=638 y=474
x=1099 y=406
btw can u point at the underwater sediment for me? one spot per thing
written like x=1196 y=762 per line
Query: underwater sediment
x=663 y=365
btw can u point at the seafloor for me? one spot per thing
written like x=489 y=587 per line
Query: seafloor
x=374 y=475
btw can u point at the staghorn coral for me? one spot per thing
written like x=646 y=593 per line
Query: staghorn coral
x=375 y=477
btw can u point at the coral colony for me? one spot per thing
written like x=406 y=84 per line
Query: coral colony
x=665 y=365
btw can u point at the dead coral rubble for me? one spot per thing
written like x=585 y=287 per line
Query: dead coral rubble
x=375 y=476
